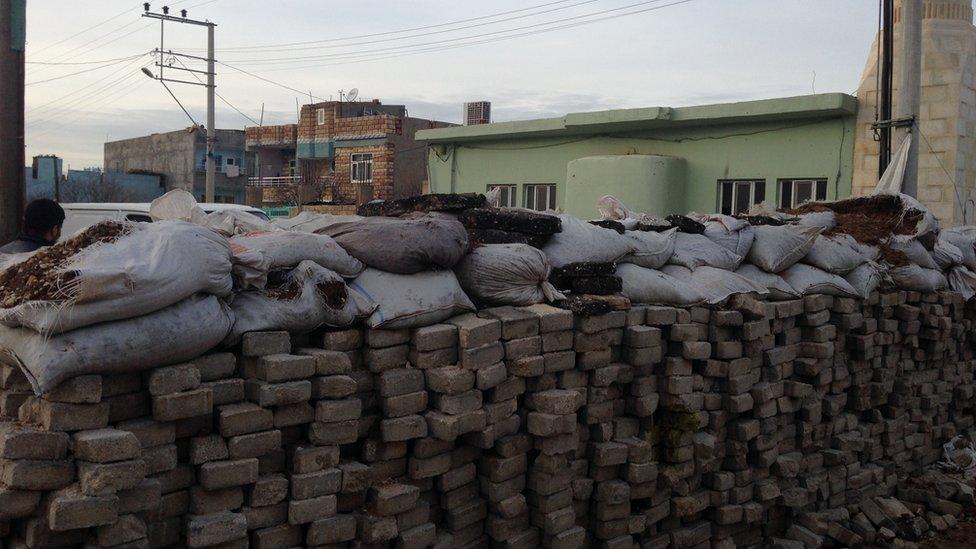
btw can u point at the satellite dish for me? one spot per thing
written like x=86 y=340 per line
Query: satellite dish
x=352 y=95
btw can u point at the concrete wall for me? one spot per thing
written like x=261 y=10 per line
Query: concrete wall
x=817 y=148
x=947 y=152
x=178 y=156
x=645 y=183
x=410 y=160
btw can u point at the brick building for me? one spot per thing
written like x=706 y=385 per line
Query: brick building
x=343 y=153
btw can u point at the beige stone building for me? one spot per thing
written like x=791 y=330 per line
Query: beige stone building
x=947 y=146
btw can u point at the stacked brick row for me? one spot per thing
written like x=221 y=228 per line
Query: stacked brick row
x=759 y=423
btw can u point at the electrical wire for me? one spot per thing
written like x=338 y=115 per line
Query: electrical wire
x=353 y=59
x=83 y=71
x=368 y=42
x=75 y=91
x=269 y=81
x=81 y=100
x=340 y=55
x=122 y=92
x=83 y=62
x=400 y=31
x=221 y=97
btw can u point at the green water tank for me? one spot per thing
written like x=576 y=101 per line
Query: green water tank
x=645 y=183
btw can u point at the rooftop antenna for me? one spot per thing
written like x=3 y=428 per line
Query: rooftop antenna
x=352 y=94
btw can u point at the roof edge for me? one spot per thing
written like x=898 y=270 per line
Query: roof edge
x=825 y=105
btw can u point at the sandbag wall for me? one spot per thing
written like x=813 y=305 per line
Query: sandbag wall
x=514 y=427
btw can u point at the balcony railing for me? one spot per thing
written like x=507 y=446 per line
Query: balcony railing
x=281 y=181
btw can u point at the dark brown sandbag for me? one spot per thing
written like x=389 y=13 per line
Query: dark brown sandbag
x=588 y=269
x=438 y=202
x=511 y=219
x=686 y=224
x=402 y=246
x=495 y=236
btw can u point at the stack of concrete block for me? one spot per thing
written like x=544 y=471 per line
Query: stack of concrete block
x=754 y=423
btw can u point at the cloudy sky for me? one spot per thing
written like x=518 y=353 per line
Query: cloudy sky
x=530 y=58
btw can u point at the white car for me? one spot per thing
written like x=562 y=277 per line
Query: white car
x=80 y=215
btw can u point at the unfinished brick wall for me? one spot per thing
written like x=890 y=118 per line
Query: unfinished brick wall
x=517 y=426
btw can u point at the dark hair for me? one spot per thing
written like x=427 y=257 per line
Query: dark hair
x=43 y=215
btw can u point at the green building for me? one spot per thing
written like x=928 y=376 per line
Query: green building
x=659 y=160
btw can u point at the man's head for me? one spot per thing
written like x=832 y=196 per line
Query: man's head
x=43 y=219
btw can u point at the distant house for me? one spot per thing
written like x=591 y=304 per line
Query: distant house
x=180 y=158
x=712 y=158
x=342 y=153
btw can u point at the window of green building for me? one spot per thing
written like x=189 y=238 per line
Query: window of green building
x=736 y=196
x=506 y=195
x=793 y=192
x=540 y=197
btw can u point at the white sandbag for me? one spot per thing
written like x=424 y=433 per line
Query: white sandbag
x=946 y=255
x=411 y=301
x=735 y=235
x=233 y=222
x=175 y=334
x=919 y=279
x=311 y=222
x=809 y=280
x=507 y=274
x=177 y=205
x=777 y=247
x=870 y=252
x=824 y=220
x=149 y=267
x=963 y=281
x=779 y=289
x=865 y=279
x=916 y=252
x=402 y=246
x=927 y=227
x=311 y=296
x=716 y=285
x=963 y=238
x=652 y=287
x=650 y=249
x=695 y=250
x=580 y=241
x=285 y=249
x=838 y=254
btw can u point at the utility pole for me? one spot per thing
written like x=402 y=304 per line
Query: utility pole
x=211 y=127
x=13 y=25
x=910 y=88
x=211 y=86
x=883 y=126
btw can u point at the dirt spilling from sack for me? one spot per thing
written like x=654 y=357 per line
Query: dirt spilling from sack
x=286 y=291
x=334 y=294
x=869 y=219
x=41 y=278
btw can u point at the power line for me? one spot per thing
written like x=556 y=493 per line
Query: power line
x=221 y=97
x=269 y=81
x=360 y=57
x=82 y=62
x=75 y=91
x=367 y=42
x=387 y=33
x=82 y=99
x=83 y=31
x=83 y=71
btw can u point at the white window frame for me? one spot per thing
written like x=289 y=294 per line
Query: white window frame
x=534 y=193
x=320 y=117
x=361 y=168
x=817 y=186
x=507 y=197
x=737 y=188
